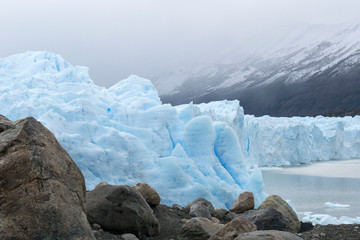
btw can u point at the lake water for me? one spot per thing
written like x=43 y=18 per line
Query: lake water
x=310 y=186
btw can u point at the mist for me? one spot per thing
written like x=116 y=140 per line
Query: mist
x=116 y=38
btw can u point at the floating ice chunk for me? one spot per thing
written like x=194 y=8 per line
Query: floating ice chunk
x=335 y=205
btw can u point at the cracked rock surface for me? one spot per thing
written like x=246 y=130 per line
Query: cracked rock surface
x=42 y=191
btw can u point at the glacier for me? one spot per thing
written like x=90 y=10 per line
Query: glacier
x=125 y=135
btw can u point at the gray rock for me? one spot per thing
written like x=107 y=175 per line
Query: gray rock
x=233 y=229
x=244 y=202
x=121 y=209
x=265 y=219
x=268 y=235
x=223 y=215
x=231 y=215
x=198 y=229
x=42 y=191
x=101 y=235
x=128 y=236
x=200 y=207
x=277 y=203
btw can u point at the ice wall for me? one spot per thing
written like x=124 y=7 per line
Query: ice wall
x=125 y=135
x=268 y=141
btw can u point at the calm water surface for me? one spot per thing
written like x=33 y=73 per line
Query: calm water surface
x=310 y=186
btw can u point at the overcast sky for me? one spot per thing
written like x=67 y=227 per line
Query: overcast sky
x=116 y=38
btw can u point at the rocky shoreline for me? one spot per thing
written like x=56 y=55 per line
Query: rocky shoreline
x=43 y=196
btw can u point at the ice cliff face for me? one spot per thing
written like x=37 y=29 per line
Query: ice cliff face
x=125 y=135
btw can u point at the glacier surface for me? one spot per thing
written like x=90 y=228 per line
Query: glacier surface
x=124 y=134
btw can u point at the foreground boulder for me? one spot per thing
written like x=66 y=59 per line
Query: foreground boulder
x=149 y=193
x=277 y=203
x=121 y=209
x=244 y=202
x=198 y=229
x=268 y=235
x=42 y=191
x=266 y=219
x=233 y=229
x=200 y=207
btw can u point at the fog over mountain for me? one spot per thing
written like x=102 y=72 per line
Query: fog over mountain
x=168 y=41
x=309 y=70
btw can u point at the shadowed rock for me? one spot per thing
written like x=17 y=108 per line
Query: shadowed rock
x=198 y=229
x=265 y=219
x=268 y=235
x=277 y=203
x=42 y=191
x=200 y=207
x=121 y=209
x=233 y=229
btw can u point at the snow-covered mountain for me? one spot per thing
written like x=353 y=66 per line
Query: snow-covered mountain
x=302 y=70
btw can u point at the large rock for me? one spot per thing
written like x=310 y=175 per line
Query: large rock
x=149 y=193
x=42 y=191
x=198 y=229
x=223 y=215
x=277 y=203
x=266 y=219
x=121 y=209
x=233 y=229
x=244 y=202
x=200 y=207
x=128 y=236
x=268 y=235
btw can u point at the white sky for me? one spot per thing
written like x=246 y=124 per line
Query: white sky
x=116 y=38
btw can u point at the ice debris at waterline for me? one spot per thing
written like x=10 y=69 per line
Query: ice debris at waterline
x=125 y=135
x=325 y=219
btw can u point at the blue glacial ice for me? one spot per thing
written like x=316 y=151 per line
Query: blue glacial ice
x=125 y=135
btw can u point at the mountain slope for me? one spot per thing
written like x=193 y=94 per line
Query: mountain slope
x=310 y=70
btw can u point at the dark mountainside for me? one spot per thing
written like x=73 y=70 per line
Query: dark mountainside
x=326 y=92
x=314 y=71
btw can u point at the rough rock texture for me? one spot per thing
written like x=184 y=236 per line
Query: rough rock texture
x=42 y=191
x=266 y=219
x=200 y=207
x=332 y=232
x=222 y=215
x=102 y=235
x=306 y=226
x=233 y=229
x=244 y=202
x=170 y=219
x=128 y=236
x=198 y=229
x=268 y=235
x=149 y=193
x=277 y=203
x=101 y=184
x=121 y=209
